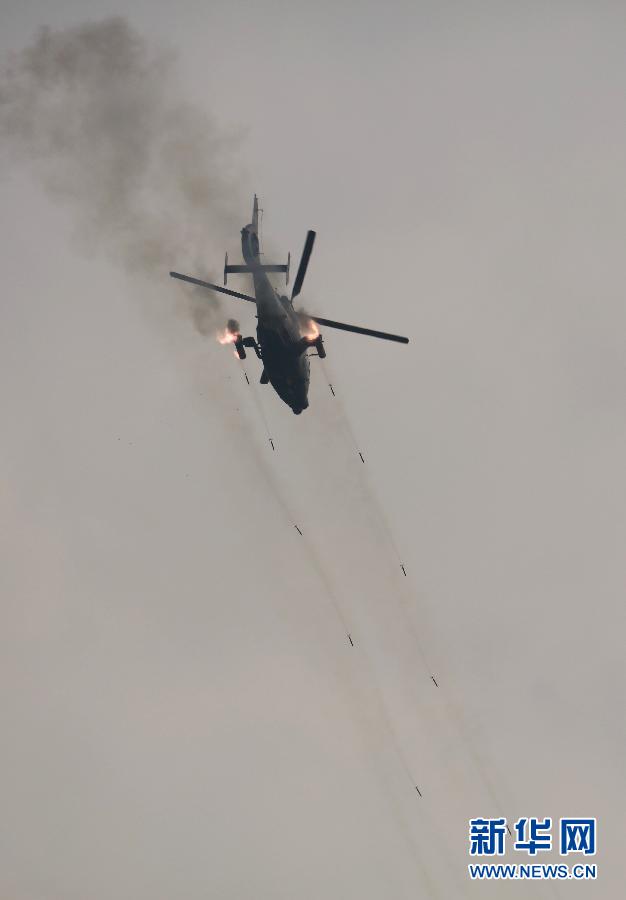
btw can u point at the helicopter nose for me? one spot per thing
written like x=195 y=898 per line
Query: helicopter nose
x=300 y=405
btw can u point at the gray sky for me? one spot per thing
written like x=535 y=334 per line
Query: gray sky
x=182 y=715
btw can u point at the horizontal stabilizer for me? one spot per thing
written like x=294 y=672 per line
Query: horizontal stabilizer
x=248 y=270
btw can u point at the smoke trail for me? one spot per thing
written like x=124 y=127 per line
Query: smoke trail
x=100 y=116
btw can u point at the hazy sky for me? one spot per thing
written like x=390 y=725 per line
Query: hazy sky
x=182 y=714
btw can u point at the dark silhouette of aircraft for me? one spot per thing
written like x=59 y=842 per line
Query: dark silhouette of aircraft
x=284 y=335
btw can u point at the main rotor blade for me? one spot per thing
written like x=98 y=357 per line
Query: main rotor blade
x=212 y=287
x=357 y=330
x=304 y=261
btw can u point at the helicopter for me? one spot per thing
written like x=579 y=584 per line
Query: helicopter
x=284 y=334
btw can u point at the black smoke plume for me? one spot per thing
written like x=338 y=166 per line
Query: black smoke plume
x=99 y=114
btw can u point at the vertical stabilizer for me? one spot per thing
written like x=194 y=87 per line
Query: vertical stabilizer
x=255 y=215
x=250 y=237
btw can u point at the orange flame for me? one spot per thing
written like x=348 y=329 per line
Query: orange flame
x=226 y=337
x=308 y=328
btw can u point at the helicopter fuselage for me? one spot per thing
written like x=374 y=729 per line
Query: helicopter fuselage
x=283 y=348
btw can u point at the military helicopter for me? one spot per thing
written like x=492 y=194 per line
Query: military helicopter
x=284 y=335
